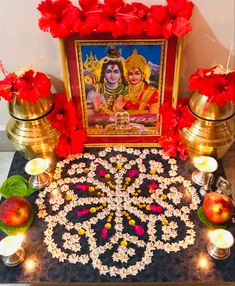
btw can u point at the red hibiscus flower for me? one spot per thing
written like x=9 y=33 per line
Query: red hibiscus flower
x=88 y=17
x=177 y=21
x=156 y=21
x=219 y=87
x=7 y=86
x=140 y=18
x=63 y=115
x=176 y=119
x=197 y=80
x=173 y=146
x=57 y=17
x=71 y=142
x=108 y=18
x=32 y=85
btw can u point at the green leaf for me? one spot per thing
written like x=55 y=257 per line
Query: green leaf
x=16 y=186
x=201 y=215
x=14 y=230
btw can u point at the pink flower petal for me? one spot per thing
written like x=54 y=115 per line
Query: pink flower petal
x=153 y=185
x=104 y=232
x=139 y=229
x=83 y=212
x=156 y=209
x=101 y=172
x=82 y=187
x=132 y=173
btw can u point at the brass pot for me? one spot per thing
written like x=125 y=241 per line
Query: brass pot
x=30 y=130
x=212 y=133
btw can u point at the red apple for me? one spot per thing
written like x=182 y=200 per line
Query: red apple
x=217 y=208
x=14 y=211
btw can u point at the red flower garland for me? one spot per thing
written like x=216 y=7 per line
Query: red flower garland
x=173 y=121
x=28 y=85
x=61 y=18
x=215 y=83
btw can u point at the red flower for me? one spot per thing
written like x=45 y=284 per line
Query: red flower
x=139 y=18
x=63 y=115
x=174 y=145
x=58 y=17
x=176 y=119
x=218 y=87
x=177 y=21
x=7 y=86
x=71 y=142
x=32 y=85
x=108 y=18
x=197 y=80
x=156 y=17
x=88 y=17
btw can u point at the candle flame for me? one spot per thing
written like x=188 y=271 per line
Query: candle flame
x=203 y=262
x=29 y=264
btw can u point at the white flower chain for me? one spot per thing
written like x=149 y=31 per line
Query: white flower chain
x=124 y=201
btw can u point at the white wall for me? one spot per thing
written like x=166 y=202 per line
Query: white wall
x=22 y=43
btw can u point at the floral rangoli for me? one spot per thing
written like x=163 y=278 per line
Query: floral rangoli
x=116 y=209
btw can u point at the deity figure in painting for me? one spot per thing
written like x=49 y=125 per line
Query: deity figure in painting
x=141 y=97
x=109 y=88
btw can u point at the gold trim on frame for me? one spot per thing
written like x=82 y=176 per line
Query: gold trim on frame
x=138 y=145
x=65 y=68
x=178 y=58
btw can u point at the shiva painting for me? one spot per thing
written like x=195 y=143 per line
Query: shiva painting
x=121 y=87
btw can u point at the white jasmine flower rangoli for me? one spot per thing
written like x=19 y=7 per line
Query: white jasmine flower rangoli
x=115 y=209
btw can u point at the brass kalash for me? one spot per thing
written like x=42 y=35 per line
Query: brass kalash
x=29 y=128
x=213 y=132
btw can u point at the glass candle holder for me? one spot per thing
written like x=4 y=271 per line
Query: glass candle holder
x=11 y=250
x=204 y=166
x=37 y=169
x=220 y=243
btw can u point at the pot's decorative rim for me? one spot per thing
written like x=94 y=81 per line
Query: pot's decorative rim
x=26 y=110
x=200 y=107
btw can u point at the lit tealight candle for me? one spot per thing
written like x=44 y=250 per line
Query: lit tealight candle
x=205 y=164
x=221 y=238
x=37 y=166
x=11 y=250
x=220 y=242
x=38 y=170
x=10 y=245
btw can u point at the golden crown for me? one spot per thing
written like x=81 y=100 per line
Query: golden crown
x=137 y=61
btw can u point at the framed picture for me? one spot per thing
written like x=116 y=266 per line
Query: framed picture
x=119 y=85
